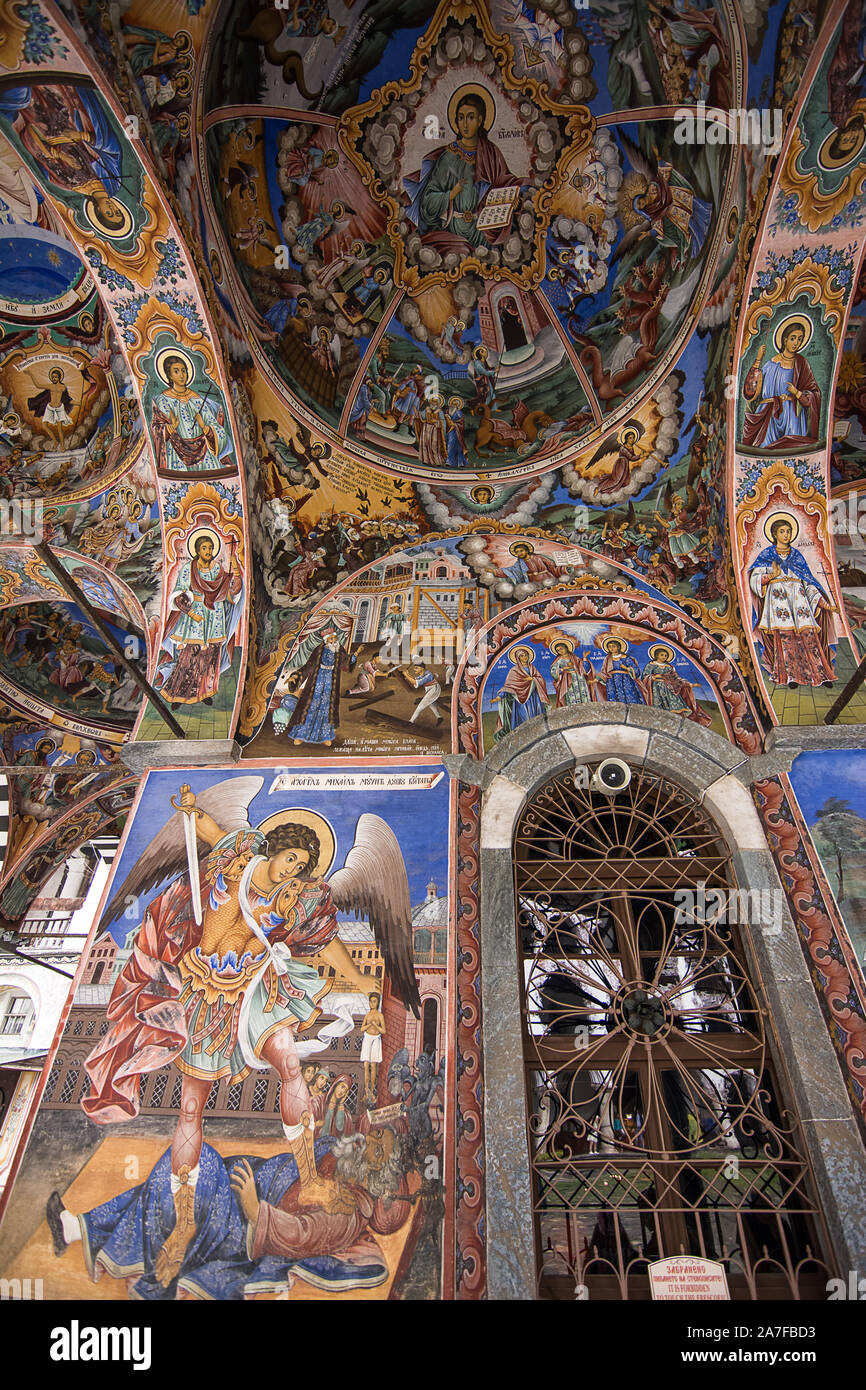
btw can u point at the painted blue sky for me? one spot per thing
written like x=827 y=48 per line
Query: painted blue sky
x=419 y=820
x=819 y=775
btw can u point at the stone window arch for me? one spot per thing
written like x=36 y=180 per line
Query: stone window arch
x=716 y=776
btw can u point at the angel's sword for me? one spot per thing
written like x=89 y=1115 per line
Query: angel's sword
x=191 y=859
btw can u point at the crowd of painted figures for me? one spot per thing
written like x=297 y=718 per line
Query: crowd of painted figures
x=576 y=680
x=65 y=659
x=319 y=555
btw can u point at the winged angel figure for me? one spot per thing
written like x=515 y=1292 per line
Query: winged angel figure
x=217 y=982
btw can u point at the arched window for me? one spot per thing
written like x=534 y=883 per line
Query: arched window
x=430 y=1028
x=657 y=1122
x=359 y=628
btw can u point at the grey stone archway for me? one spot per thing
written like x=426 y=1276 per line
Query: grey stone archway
x=719 y=776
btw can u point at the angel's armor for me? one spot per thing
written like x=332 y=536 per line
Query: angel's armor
x=234 y=995
x=209 y=996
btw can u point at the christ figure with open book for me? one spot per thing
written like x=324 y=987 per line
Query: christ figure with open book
x=464 y=195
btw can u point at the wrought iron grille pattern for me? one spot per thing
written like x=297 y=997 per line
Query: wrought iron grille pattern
x=655 y=1123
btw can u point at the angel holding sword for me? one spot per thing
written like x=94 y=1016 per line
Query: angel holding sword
x=220 y=986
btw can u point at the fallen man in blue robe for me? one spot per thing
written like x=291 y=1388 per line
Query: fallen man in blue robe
x=250 y=1229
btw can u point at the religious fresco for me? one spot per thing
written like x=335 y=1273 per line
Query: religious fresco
x=24 y=576
x=151 y=69
x=51 y=651
x=64 y=768
x=447 y=320
x=198 y=653
x=822 y=180
x=392 y=636
x=338 y=1179
x=390 y=376
x=94 y=813
x=69 y=415
x=591 y=663
x=848 y=451
x=792 y=343
x=562 y=650
x=371 y=671
x=109 y=207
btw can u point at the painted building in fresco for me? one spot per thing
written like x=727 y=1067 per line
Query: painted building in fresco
x=432 y=468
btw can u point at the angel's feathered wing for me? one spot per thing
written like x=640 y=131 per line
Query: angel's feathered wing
x=228 y=802
x=608 y=450
x=643 y=163
x=373 y=883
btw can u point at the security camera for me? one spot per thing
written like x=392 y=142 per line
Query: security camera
x=611 y=777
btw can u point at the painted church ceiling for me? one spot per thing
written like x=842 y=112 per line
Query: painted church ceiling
x=301 y=306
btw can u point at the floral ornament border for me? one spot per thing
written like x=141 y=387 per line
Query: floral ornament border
x=816 y=919
x=470 y=1264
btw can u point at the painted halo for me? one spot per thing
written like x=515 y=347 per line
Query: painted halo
x=197 y=534
x=826 y=160
x=782 y=516
x=522 y=545
x=107 y=229
x=161 y=370
x=801 y=320
x=561 y=641
x=472 y=89
x=520 y=651
x=322 y=829
x=612 y=637
x=627 y=435
x=661 y=653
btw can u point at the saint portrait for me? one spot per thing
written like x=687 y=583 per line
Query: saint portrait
x=791 y=609
x=243 y=916
x=189 y=429
x=454 y=184
x=70 y=138
x=523 y=695
x=204 y=613
x=783 y=398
